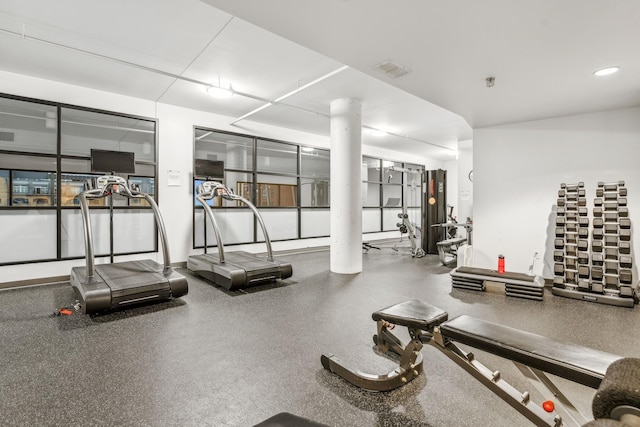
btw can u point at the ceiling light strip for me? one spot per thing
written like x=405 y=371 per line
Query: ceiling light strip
x=267 y=102
x=287 y=95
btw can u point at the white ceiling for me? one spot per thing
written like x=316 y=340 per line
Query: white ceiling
x=542 y=53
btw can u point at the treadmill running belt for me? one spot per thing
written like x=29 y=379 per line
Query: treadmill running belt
x=130 y=274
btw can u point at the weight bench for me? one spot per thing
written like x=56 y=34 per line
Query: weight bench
x=532 y=354
x=447 y=250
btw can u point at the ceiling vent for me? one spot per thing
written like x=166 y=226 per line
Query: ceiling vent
x=7 y=136
x=391 y=69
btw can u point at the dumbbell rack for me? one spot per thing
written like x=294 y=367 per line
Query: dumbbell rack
x=571 y=244
x=607 y=278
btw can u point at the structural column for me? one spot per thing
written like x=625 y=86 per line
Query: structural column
x=346 y=182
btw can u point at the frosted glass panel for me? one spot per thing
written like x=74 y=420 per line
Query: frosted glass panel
x=315 y=223
x=281 y=224
x=370 y=220
x=72 y=237
x=27 y=235
x=134 y=231
x=390 y=219
x=236 y=226
x=371 y=193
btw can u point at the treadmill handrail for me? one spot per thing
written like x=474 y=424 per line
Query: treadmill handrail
x=131 y=194
x=226 y=193
x=216 y=230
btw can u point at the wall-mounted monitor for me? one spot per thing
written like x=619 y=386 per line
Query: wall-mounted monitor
x=105 y=161
x=209 y=169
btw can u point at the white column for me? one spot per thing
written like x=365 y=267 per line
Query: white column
x=346 y=181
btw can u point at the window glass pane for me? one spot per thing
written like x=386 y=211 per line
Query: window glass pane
x=27 y=126
x=392 y=195
x=370 y=220
x=4 y=188
x=389 y=175
x=32 y=188
x=281 y=224
x=235 y=151
x=314 y=192
x=134 y=230
x=390 y=219
x=84 y=130
x=28 y=235
x=72 y=184
x=315 y=223
x=143 y=184
x=413 y=187
x=277 y=157
x=370 y=194
x=236 y=226
x=314 y=162
x=372 y=169
x=72 y=237
x=34 y=163
x=276 y=190
x=415 y=218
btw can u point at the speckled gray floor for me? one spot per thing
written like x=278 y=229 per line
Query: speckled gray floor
x=216 y=358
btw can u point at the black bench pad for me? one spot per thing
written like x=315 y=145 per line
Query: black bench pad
x=412 y=314
x=573 y=362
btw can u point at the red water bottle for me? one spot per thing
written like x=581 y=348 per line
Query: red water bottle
x=500 y=263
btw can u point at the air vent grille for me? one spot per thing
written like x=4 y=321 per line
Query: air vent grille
x=7 y=136
x=391 y=69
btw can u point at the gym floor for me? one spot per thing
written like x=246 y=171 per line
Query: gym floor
x=220 y=358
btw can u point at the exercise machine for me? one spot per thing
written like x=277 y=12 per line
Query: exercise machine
x=234 y=270
x=112 y=286
x=406 y=227
x=616 y=377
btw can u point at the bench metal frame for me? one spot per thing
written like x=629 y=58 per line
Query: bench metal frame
x=410 y=365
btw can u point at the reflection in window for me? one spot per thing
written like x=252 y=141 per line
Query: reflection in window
x=235 y=151
x=314 y=192
x=277 y=157
x=32 y=188
x=28 y=126
x=314 y=162
x=389 y=173
x=84 y=130
x=275 y=190
x=4 y=188
x=372 y=166
x=143 y=184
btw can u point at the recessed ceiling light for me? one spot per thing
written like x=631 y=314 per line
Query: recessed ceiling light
x=606 y=71
x=220 y=92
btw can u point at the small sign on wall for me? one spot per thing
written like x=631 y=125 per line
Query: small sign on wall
x=173 y=178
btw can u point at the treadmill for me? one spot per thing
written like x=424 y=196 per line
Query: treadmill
x=234 y=270
x=106 y=287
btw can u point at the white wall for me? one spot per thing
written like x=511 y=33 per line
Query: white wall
x=175 y=154
x=518 y=169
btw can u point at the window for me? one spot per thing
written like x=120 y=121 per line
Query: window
x=39 y=183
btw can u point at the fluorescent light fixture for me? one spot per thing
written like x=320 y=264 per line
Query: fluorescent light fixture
x=374 y=132
x=220 y=92
x=308 y=149
x=606 y=71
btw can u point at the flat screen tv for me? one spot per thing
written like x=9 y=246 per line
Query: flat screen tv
x=105 y=161
x=209 y=169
